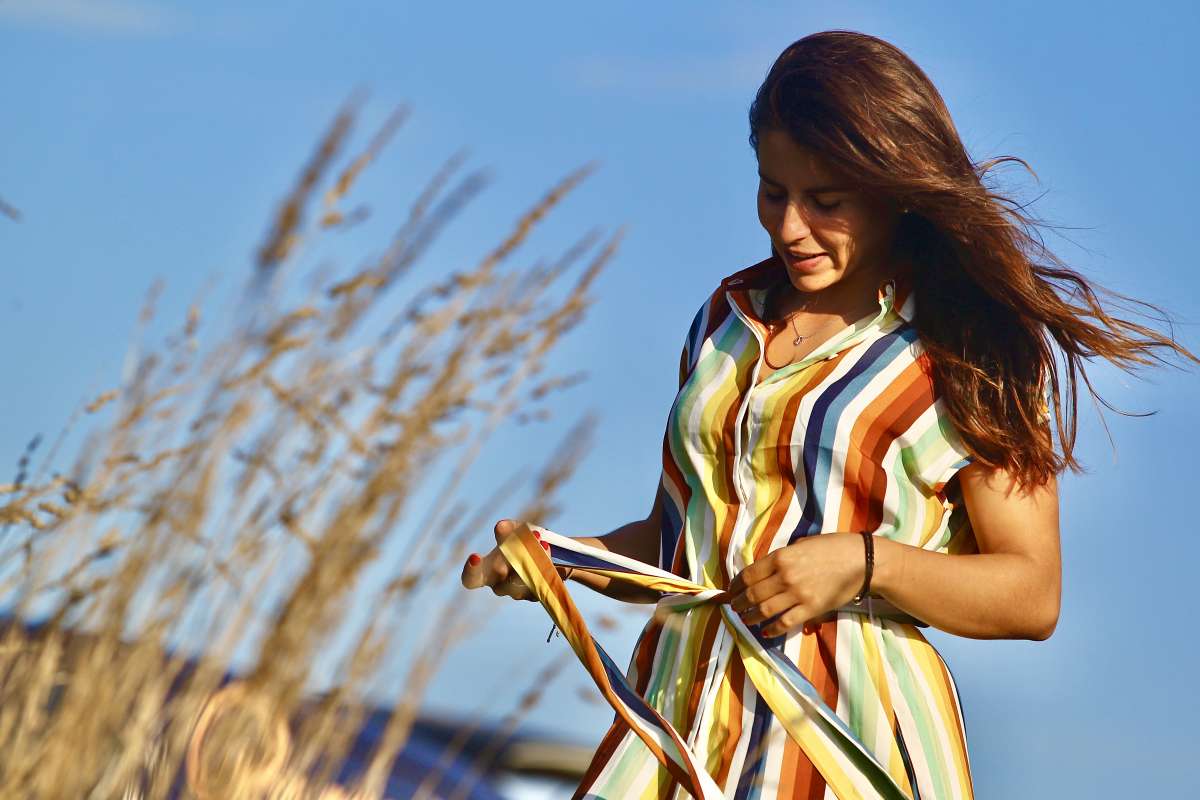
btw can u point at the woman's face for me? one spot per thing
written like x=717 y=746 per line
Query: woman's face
x=808 y=211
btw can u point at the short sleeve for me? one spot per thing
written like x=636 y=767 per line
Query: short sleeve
x=935 y=451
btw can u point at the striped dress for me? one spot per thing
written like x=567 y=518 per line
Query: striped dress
x=850 y=438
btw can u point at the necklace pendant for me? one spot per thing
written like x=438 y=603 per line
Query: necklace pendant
x=797 y=340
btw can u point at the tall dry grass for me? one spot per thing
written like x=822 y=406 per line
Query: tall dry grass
x=237 y=486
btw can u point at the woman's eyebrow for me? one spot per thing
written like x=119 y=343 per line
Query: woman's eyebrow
x=812 y=189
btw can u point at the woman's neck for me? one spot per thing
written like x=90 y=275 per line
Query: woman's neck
x=845 y=298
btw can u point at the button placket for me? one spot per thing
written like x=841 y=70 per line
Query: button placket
x=741 y=441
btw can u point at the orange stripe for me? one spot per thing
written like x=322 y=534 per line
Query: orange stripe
x=865 y=480
x=823 y=674
x=734 y=684
x=908 y=407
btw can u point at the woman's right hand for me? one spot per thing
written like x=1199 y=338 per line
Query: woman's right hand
x=494 y=571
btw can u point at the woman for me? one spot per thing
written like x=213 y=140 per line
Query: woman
x=887 y=371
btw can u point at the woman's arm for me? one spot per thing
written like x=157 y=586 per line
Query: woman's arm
x=1010 y=589
x=638 y=540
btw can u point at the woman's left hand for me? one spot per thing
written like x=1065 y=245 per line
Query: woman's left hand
x=800 y=581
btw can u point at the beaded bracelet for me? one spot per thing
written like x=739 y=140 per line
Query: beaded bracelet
x=869 y=543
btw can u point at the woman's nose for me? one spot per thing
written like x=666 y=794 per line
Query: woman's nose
x=793 y=224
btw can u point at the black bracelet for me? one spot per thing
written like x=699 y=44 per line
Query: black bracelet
x=869 y=543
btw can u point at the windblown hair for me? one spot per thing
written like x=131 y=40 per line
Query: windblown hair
x=992 y=300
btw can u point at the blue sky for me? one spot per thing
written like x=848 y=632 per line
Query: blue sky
x=152 y=140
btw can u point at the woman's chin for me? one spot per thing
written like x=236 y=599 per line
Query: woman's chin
x=812 y=282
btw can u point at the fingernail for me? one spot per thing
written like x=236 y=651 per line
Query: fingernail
x=547 y=546
x=474 y=559
x=537 y=535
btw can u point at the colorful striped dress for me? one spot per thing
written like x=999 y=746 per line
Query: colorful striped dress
x=850 y=438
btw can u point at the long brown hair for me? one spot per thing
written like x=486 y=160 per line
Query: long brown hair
x=993 y=303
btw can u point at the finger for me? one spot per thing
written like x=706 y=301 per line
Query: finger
x=767 y=610
x=753 y=574
x=759 y=590
x=496 y=568
x=795 y=618
x=775 y=599
x=472 y=572
x=743 y=596
x=504 y=529
x=510 y=527
x=512 y=587
x=757 y=593
x=501 y=587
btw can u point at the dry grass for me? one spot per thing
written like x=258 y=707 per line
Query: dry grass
x=235 y=488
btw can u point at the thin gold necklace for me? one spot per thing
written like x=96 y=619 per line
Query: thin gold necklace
x=799 y=336
x=792 y=318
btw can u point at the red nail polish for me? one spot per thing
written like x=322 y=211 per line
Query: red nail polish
x=547 y=546
x=474 y=559
x=537 y=535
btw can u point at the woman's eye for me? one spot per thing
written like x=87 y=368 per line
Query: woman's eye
x=776 y=197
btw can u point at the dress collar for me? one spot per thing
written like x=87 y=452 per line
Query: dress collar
x=894 y=294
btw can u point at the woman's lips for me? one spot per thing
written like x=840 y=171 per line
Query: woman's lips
x=803 y=263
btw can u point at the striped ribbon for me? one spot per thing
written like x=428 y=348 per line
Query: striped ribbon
x=849 y=768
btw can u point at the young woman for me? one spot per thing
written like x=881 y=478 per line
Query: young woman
x=889 y=370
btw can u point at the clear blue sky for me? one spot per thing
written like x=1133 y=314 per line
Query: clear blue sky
x=152 y=139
